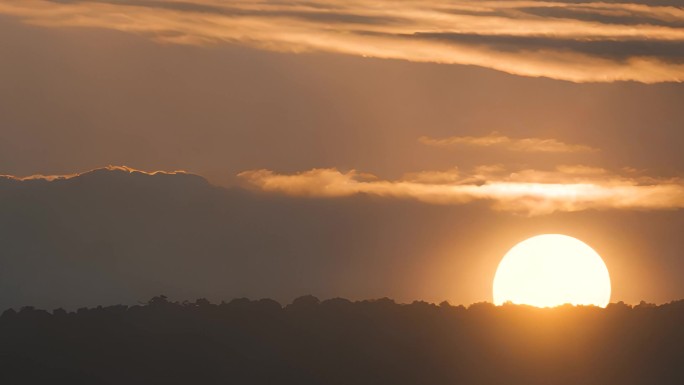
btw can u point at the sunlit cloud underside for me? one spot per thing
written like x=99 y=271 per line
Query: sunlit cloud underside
x=574 y=41
x=528 y=192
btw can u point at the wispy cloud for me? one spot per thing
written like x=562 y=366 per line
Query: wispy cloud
x=514 y=144
x=530 y=192
x=568 y=40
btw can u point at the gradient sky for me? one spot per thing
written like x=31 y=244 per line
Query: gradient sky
x=561 y=116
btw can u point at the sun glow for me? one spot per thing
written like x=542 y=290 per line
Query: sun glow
x=551 y=270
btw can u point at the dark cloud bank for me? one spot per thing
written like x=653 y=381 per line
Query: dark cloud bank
x=116 y=236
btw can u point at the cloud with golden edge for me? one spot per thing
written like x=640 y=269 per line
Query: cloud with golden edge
x=501 y=141
x=528 y=192
x=50 y=178
x=566 y=40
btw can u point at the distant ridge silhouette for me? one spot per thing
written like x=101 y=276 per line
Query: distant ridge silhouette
x=342 y=342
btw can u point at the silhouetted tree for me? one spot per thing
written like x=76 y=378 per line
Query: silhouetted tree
x=337 y=341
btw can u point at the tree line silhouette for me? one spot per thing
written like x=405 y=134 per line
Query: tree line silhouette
x=342 y=342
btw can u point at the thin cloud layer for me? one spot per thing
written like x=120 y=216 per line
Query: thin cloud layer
x=567 y=40
x=530 y=192
x=502 y=141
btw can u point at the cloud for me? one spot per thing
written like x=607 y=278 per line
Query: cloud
x=107 y=169
x=566 y=40
x=530 y=192
x=497 y=140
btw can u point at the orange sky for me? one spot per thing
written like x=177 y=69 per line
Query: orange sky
x=517 y=117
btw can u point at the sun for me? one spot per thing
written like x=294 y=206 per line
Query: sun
x=551 y=270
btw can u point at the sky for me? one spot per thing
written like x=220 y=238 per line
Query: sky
x=481 y=122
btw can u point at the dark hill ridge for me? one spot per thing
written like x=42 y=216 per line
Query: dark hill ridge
x=342 y=342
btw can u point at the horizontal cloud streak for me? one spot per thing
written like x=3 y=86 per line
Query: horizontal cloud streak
x=531 y=192
x=497 y=140
x=574 y=41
